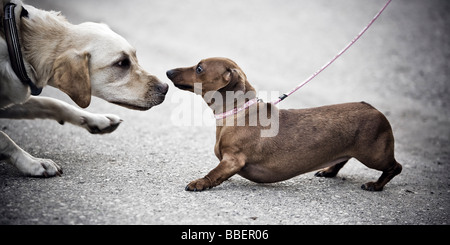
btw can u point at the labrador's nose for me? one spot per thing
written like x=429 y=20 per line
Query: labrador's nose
x=163 y=88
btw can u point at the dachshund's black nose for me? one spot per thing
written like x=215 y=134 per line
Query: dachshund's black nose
x=171 y=74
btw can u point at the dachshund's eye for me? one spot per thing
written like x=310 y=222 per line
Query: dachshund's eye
x=125 y=63
x=199 y=69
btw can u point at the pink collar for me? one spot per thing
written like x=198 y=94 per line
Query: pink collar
x=236 y=110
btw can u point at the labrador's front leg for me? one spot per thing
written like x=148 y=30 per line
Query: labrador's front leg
x=49 y=108
x=27 y=164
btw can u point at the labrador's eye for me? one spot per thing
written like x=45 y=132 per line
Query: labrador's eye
x=199 y=69
x=125 y=63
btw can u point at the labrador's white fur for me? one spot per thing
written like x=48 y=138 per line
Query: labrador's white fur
x=82 y=60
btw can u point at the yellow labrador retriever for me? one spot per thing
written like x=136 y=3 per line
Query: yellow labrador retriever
x=82 y=60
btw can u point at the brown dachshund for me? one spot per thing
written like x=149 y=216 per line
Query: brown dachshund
x=322 y=138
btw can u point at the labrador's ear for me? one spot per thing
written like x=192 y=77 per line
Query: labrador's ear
x=71 y=75
x=235 y=79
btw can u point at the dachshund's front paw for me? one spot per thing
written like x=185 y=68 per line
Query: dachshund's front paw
x=199 y=185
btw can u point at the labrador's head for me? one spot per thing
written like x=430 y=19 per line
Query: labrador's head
x=101 y=63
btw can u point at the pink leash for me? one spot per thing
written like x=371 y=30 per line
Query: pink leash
x=284 y=96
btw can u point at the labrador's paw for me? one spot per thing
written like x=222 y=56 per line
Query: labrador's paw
x=100 y=124
x=37 y=167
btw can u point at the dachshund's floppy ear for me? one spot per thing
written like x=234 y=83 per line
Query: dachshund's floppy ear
x=71 y=75
x=235 y=79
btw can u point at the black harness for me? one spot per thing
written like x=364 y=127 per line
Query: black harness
x=14 y=50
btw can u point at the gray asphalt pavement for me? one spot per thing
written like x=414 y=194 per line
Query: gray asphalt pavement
x=137 y=174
